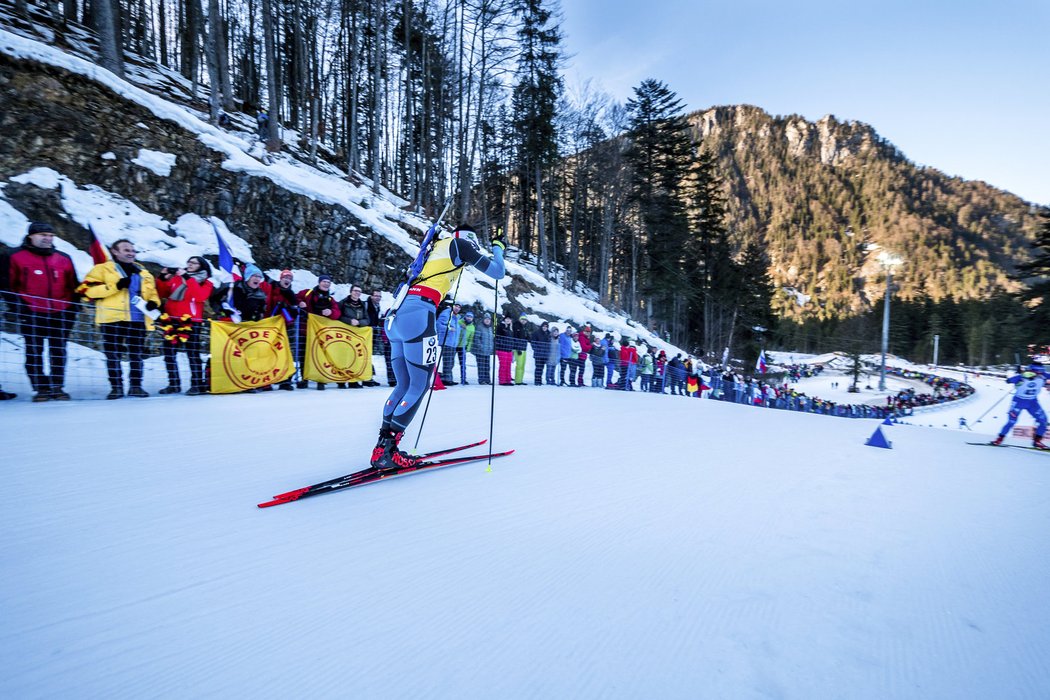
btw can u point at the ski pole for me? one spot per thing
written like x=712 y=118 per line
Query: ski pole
x=492 y=400
x=448 y=324
x=990 y=408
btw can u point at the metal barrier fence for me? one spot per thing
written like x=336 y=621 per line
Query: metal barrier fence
x=63 y=353
x=43 y=352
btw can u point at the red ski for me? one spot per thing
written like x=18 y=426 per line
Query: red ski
x=371 y=475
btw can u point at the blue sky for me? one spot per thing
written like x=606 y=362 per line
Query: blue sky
x=961 y=86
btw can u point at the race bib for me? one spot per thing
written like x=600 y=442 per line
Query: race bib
x=431 y=350
x=1030 y=388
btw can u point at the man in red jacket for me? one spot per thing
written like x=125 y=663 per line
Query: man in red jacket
x=42 y=283
x=628 y=362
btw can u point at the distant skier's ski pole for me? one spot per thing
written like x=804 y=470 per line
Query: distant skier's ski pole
x=990 y=408
x=492 y=401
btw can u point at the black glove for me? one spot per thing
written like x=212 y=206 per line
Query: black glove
x=123 y=283
x=498 y=239
x=151 y=305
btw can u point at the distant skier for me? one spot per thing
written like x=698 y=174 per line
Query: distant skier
x=414 y=348
x=262 y=121
x=1026 y=398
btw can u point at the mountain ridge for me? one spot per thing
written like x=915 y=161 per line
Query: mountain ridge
x=826 y=197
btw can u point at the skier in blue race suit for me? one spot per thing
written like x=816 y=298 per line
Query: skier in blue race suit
x=414 y=347
x=1026 y=398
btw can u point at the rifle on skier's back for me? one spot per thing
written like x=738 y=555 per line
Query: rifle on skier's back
x=416 y=267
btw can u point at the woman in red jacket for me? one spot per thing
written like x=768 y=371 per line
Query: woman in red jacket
x=185 y=293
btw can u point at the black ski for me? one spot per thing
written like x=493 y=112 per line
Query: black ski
x=369 y=476
x=1016 y=447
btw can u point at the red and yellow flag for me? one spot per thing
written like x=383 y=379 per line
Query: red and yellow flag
x=249 y=355
x=336 y=352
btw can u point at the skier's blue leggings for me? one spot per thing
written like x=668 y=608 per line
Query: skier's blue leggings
x=1033 y=407
x=414 y=351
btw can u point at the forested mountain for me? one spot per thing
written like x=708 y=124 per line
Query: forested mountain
x=825 y=198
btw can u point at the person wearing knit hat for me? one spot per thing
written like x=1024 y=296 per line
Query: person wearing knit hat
x=249 y=297
x=412 y=332
x=540 y=340
x=318 y=301
x=521 y=344
x=464 y=341
x=482 y=346
x=281 y=301
x=554 y=356
x=42 y=282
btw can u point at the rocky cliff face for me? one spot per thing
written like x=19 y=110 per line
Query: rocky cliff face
x=79 y=128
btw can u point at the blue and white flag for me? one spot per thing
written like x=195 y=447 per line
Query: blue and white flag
x=225 y=256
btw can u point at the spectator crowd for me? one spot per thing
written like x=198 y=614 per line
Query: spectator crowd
x=41 y=290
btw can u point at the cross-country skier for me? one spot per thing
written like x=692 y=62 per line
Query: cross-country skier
x=1026 y=398
x=414 y=348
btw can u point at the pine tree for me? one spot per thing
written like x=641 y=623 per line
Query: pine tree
x=660 y=158
x=1037 y=292
x=534 y=101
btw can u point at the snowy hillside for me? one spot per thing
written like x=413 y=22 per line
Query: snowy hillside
x=634 y=546
x=170 y=242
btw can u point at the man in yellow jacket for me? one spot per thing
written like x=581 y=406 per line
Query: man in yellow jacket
x=125 y=296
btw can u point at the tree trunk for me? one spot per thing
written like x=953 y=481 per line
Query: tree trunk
x=541 y=230
x=273 y=139
x=355 y=53
x=188 y=37
x=106 y=16
x=377 y=101
x=217 y=34
x=162 y=31
x=605 y=252
x=409 y=141
x=209 y=55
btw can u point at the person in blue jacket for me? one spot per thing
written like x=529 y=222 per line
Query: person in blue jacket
x=565 y=353
x=1026 y=398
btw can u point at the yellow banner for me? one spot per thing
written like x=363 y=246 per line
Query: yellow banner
x=249 y=355
x=336 y=352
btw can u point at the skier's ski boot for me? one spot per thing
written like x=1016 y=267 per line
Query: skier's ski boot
x=1038 y=443
x=998 y=441
x=386 y=456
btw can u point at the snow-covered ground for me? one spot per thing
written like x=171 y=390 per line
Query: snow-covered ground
x=634 y=546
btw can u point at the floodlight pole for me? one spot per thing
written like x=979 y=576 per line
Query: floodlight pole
x=885 y=332
x=888 y=264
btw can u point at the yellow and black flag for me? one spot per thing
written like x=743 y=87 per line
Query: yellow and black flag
x=249 y=355
x=336 y=352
